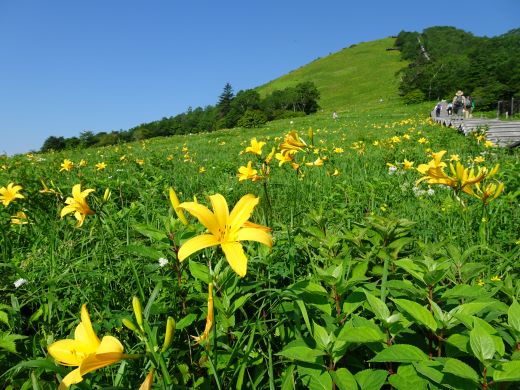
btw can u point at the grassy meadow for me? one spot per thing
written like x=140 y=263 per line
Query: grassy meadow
x=355 y=275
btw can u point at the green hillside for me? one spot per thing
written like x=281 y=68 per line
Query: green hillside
x=359 y=75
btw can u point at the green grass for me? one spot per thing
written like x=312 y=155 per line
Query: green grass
x=353 y=79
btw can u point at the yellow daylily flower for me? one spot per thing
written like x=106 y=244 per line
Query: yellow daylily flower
x=454 y=157
x=78 y=204
x=496 y=278
x=338 y=150
x=20 y=218
x=100 y=166
x=407 y=164
x=67 y=165
x=209 y=318
x=316 y=163
x=247 y=173
x=140 y=161
x=82 y=163
x=174 y=200
x=422 y=140
x=225 y=229
x=148 y=381
x=490 y=192
x=202 y=169
x=479 y=159
x=256 y=147
x=10 y=193
x=85 y=351
x=292 y=142
x=270 y=156
x=284 y=157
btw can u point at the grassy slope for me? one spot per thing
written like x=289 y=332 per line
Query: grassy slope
x=351 y=79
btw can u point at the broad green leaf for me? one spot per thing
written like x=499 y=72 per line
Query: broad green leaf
x=507 y=372
x=144 y=251
x=460 y=369
x=481 y=343
x=305 y=315
x=353 y=301
x=378 y=307
x=288 y=378
x=298 y=350
x=185 y=321
x=465 y=291
x=314 y=377
x=418 y=312
x=459 y=341
x=321 y=336
x=362 y=334
x=400 y=353
x=371 y=379
x=344 y=379
x=470 y=308
x=200 y=271
x=4 y=318
x=513 y=316
x=407 y=378
x=313 y=294
x=411 y=267
x=430 y=369
x=150 y=232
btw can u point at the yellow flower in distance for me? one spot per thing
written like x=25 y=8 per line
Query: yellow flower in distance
x=225 y=229
x=316 y=163
x=100 y=166
x=285 y=157
x=174 y=200
x=496 y=278
x=407 y=164
x=247 y=173
x=10 y=193
x=20 y=218
x=67 y=165
x=209 y=318
x=82 y=163
x=256 y=147
x=85 y=351
x=292 y=142
x=479 y=159
x=78 y=204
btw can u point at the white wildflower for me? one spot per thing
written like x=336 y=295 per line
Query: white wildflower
x=163 y=262
x=20 y=282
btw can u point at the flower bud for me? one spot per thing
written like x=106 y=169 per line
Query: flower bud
x=138 y=312
x=170 y=328
x=106 y=195
x=130 y=325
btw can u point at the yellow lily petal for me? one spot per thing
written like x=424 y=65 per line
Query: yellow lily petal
x=66 y=210
x=68 y=352
x=253 y=234
x=110 y=344
x=196 y=244
x=95 y=361
x=70 y=379
x=175 y=204
x=242 y=211
x=84 y=332
x=147 y=384
x=220 y=209
x=235 y=257
x=203 y=214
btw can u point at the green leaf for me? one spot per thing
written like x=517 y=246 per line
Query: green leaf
x=4 y=318
x=430 y=369
x=313 y=294
x=481 y=343
x=239 y=302
x=186 y=321
x=344 y=379
x=7 y=341
x=144 y=251
x=298 y=350
x=400 y=353
x=288 y=378
x=460 y=369
x=507 y=372
x=199 y=271
x=354 y=300
x=371 y=379
x=418 y=312
x=412 y=268
x=465 y=291
x=362 y=334
x=314 y=377
x=378 y=307
x=321 y=336
x=513 y=315
x=459 y=341
x=407 y=378
x=150 y=232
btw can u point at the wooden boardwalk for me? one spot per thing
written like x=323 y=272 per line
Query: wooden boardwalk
x=502 y=133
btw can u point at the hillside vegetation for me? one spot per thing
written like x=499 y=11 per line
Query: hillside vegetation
x=354 y=78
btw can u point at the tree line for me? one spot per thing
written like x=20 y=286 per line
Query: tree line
x=245 y=109
x=445 y=59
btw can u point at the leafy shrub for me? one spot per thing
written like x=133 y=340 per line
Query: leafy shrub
x=252 y=118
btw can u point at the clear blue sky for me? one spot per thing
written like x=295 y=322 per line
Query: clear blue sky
x=67 y=66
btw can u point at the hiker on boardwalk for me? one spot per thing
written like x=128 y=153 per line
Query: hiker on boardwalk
x=438 y=108
x=468 y=107
x=449 y=108
x=459 y=102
